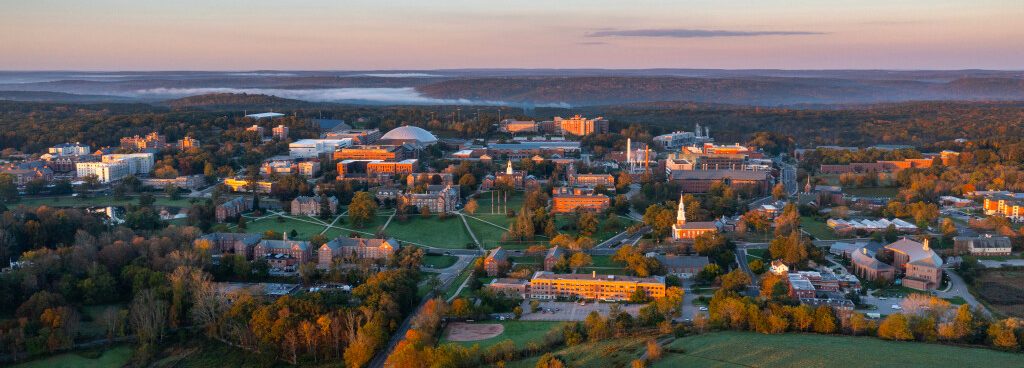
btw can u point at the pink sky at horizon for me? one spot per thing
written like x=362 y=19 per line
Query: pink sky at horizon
x=407 y=34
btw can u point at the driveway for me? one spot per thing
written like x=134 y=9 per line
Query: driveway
x=958 y=287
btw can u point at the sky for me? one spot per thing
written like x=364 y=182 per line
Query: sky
x=446 y=34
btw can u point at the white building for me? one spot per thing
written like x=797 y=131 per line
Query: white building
x=678 y=139
x=138 y=163
x=69 y=149
x=308 y=148
x=106 y=172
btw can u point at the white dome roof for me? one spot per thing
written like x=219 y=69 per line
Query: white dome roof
x=410 y=133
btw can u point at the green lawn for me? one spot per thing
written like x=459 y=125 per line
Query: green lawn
x=115 y=357
x=604 y=261
x=69 y=201
x=759 y=253
x=520 y=332
x=486 y=232
x=439 y=261
x=817 y=228
x=454 y=286
x=483 y=201
x=747 y=349
x=448 y=233
x=347 y=227
x=536 y=260
x=304 y=229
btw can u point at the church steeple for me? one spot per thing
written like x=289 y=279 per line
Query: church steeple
x=681 y=213
x=508 y=169
x=807 y=188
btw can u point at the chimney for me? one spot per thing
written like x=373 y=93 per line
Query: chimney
x=593 y=274
x=925 y=244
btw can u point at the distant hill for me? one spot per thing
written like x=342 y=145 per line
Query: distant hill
x=766 y=91
x=232 y=100
x=60 y=97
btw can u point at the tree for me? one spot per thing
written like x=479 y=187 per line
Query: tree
x=756 y=266
x=895 y=327
x=362 y=209
x=858 y=324
x=597 y=327
x=172 y=192
x=736 y=280
x=653 y=350
x=534 y=306
x=471 y=206
x=549 y=360
x=587 y=223
x=325 y=207
x=824 y=320
x=517 y=311
x=147 y=316
x=779 y=191
x=8 y=188
x=1002 y=335
x=579 y=260
x=948 y=228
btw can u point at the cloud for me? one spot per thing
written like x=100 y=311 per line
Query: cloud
x=592 y=43
x=374 y=96
x=693 y=33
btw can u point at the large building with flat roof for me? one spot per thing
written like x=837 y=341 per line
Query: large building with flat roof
x=547 y=285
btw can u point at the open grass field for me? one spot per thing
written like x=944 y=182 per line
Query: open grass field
x=448 y=233
x=69 y=201
x=345 y=226
x=759 y=253
x=454 y=286
x=484 y=228
x=439 y=261
x=483 y=201
x=604 y=230
x=607 y=353
x=1003 y=290
x=817 y=228
x=201 y=353
x=115 y=357
x=520 y=332
x=746 y=349
x=304 y=229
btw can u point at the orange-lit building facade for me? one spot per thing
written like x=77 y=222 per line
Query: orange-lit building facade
x=566 y=200
x=547 y=285
x=383 y=153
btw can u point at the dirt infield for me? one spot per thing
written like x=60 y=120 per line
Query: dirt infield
x=458 y=331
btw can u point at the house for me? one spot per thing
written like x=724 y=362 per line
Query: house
x=553 y=256
x=800 y=286
x=283 y=254
x=232 y=208
x=984 y=245
x=232 y=243
x=779 y=268
x=683 y=266
x=357 y=248
x=437 y=199
x=310 y=206
x=567 y=200
x=496 y=260
x=512 y=288
x=689 y=230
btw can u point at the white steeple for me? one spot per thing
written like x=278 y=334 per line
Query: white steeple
x=508 y=169
x=681 y=214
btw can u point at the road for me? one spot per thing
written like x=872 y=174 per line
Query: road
x=788 y=172
x=958 y=288
x=446 y=276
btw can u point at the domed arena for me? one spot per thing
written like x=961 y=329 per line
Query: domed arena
x=408 y=134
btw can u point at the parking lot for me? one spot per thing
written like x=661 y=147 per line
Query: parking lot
x=883 y=304
x=570 y=311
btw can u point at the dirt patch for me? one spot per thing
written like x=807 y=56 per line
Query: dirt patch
x=1002 y=290
x=458 y=331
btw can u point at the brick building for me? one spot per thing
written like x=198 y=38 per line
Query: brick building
x=355 y=248
x=547 y=285
x=497 y=259
x=310 y=206
x=566 y=200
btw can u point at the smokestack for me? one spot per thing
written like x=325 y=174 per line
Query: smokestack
x=593 y=274
x=629 y=150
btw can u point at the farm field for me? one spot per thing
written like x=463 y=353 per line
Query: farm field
x=448 y=233
x=748 y=349
x=744 y=349
x=1002 y=289
x=115 y=357
x=520 y=332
